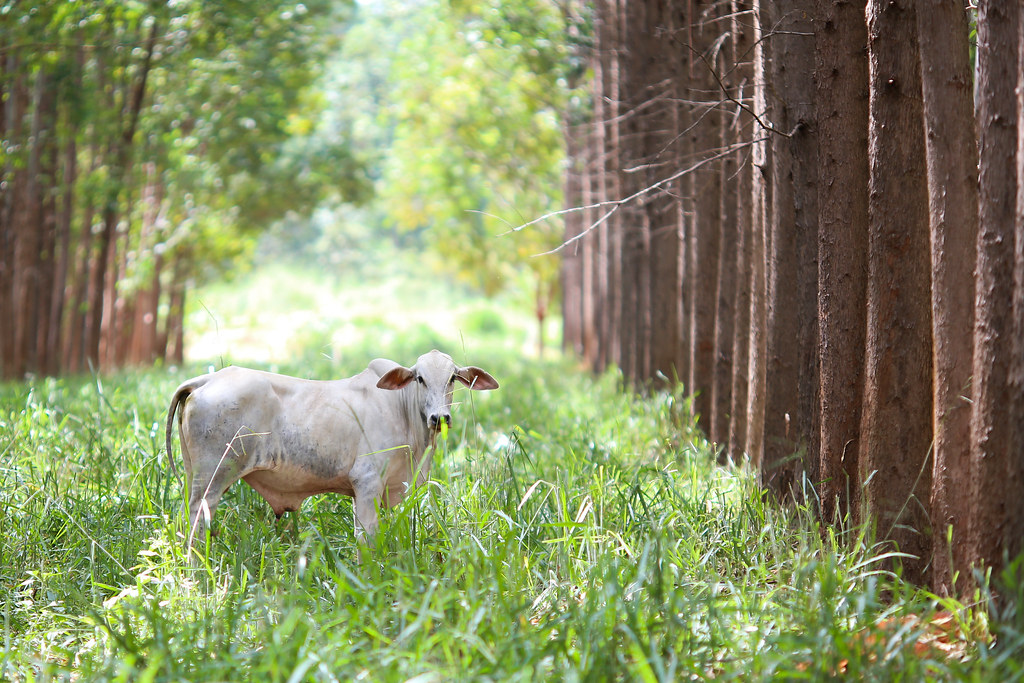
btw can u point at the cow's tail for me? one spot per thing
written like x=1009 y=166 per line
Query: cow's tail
x=181 y=394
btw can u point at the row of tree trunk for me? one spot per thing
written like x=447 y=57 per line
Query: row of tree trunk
x=801 y=211
x=81 y=288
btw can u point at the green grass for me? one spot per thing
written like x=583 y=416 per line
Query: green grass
x=570 y=532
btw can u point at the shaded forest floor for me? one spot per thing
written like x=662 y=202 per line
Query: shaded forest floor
x=571 y=531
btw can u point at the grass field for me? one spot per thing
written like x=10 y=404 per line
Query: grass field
x=571 y=532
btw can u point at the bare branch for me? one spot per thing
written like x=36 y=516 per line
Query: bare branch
x=616 y=204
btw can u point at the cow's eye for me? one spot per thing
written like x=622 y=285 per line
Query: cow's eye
x=420 y=380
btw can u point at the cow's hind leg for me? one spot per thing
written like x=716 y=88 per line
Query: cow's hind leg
x=206 y=488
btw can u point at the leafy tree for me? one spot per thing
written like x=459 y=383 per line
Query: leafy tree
x=480 y=92
x=183 y=128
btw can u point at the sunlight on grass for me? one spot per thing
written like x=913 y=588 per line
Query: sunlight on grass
x=283 y=312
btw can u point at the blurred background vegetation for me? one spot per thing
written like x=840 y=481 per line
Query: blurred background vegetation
x=454 y=111
x=152 y=149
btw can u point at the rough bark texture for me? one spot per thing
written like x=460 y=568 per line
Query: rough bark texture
x=761 y=202
x=996 y=411
x=842 y=106
x=635 y=315
x=1015 y=480
x=896 y=424
x=703 y=246
x=725 y=290
x=662 y=146
x=737 y=438
x=947 y=87
x=790 y=438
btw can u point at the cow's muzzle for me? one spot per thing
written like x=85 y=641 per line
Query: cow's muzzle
x=434 y=421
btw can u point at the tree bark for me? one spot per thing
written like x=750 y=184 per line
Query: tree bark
x=119 y=157
x=591 y=244
x=613 y=181
x=704 y=240
x=14 y=107
x=1015 y=480
x=635 y=289
x=947 y=88
x=48 y=180
x=6 y=237
x=737 y=435
x=572 y=256
x=596 y=348
x=842 y=104
x=662 y=147
x=32 y=232
x=174 y=344
x=996 y=412
x=79 y=318
x=59 y=316
x=790 y=425
x=761 y=203
x=725 y=301
x=896 y=423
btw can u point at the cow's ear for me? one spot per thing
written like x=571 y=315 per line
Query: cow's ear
x=396 y=378
x=475 y=378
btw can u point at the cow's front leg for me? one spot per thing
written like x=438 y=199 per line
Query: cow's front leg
x=367 y=496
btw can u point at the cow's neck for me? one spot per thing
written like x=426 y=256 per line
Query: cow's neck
x=421 y=438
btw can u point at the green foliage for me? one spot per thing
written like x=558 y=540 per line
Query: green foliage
x=228 y=126
x=570 y=532
x=479 y=93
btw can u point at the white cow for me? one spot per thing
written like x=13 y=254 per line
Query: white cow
x=288 y=438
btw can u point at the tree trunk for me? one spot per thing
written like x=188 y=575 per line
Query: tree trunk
x=174 y=344
x=635 y=290
x=737 y=436
x=683 y=188
x=661 y=153
x=613 y=181
x=14 y=105
x=947 y=88
x=119 y=158
x=47 y=226
x=142 y=347
x=572 y=255
x=30 y=232
x=997 y=412
x=761 y=203
x=1015 y=480
x=591 y=244
x=605 y=165
x=896 y=423
x=704 y=242
x=79 y=317
x=790 y=437
x=6 y=238
x=842 y=103
x=58 y=313
x=728 y=240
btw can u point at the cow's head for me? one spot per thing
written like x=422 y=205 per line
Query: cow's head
x=435 y=374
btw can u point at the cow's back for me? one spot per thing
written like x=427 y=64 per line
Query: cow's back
x=272 y=420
